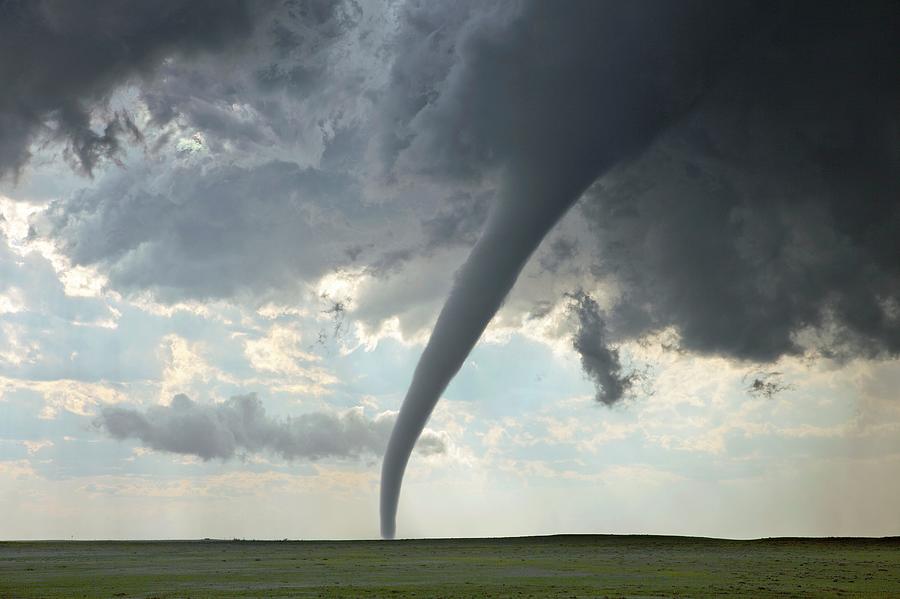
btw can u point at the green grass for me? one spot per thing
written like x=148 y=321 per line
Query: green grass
x=560 y=566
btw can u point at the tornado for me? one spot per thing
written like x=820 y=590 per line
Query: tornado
x=515 y=228
x=613 y=76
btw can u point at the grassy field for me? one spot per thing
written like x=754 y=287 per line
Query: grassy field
x=561 y=566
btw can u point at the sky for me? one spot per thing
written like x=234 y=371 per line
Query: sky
x=227 y=230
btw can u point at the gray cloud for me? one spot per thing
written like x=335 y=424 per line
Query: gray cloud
x=486 y=71
x=766 y=223
x=559 y=252
x=58 y=68
x=599 y=361
x=423 y=53
x=458 y=221
x=240 y=425
x=209 y=231
x=250 y=186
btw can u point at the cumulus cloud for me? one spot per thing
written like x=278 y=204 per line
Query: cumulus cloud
x=240 y=425
x=211 y=231
x=61 y=61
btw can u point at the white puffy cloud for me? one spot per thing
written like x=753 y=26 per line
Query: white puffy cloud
x=241 y=425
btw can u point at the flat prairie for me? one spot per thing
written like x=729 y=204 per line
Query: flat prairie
x=555 y=566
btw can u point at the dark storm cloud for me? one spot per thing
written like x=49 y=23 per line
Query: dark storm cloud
x=767 y=223
x=59 y=61
x=240 y=425
x=600 y=361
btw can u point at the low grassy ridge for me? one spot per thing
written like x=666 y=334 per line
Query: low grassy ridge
x=559 y=566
